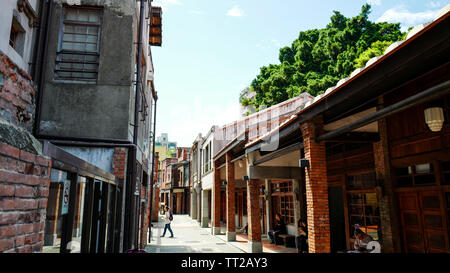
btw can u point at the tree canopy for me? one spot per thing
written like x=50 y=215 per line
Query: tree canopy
x=319 y=58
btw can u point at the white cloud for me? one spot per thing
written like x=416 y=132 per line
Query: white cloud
x=235 y=12
x=407 y=19
x=374 y=2
x=435 y=4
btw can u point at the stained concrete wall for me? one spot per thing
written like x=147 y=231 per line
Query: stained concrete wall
x=94 y=110
x=99 y=157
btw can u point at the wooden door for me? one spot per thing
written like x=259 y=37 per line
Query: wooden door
x=413 y=239
x=423 y=222
x=434 y=222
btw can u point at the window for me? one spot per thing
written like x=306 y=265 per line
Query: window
x=287 y=208
x=282 y=193
x=78 y=52
x=364 y=211
x=17 y=36
x=207 y=158
x=361 y=181
x=418 y=175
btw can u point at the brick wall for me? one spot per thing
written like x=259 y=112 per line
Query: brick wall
x=231 y=191
x=253 y=211
x=316 y=190
x=16 y=95
x=120 y=162
x=24 y=175
x=24 y=188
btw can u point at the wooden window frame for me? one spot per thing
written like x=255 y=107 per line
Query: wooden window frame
x=363 y=206
x=435 y=172
x=286 y=195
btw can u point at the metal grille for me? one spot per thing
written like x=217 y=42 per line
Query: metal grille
x=79 y=45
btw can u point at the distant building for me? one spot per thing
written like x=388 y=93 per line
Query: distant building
x=175 y=182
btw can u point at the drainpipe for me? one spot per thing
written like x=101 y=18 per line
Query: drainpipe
x=132 y=223
x=150 y=185
x=41 y=59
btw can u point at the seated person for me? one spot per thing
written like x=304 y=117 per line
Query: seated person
x=300 y=240
x=362 y=239
x=279 y=228
x=245 y=229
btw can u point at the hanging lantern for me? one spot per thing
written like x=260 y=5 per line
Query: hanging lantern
x=434 y=117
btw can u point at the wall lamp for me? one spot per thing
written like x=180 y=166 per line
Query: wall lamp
x=303 y=163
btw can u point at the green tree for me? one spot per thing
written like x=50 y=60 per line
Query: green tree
x=319 y=58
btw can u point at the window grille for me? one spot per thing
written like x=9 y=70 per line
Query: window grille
x=79 y=46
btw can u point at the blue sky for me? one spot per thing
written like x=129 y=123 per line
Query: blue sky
x=212 y=49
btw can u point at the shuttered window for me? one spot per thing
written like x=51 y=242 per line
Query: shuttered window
x=79 y=45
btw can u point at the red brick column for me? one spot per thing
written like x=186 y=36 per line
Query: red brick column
x=155 y=208
x=216 y=202
x=231 y=202
x=24 y=189
x=316 y=190
x=254 y=217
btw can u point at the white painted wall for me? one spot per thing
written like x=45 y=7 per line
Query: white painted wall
x=6 y=15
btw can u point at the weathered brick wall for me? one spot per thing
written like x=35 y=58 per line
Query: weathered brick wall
x=316 y=190
x=24 y=188
x=16 y=95
x=120 y=162
x=24 y=175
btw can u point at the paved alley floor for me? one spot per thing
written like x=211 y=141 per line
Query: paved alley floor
x=189 y=237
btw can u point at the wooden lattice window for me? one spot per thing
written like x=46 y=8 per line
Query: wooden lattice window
x=361 y=181
x=283 y=190
x=79 y=45
x=417 y=175
x=364 y=211
x=287 y=208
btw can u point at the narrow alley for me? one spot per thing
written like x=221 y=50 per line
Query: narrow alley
x=189 y=237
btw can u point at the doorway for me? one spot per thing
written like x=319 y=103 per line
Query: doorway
x=422 y=216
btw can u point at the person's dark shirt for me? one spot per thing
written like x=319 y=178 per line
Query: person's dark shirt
x=280 y=226
x=304 y=229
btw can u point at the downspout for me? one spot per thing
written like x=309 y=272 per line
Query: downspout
x=42 y=60
x=132 y=222
x=150 y=185
x=37 y=57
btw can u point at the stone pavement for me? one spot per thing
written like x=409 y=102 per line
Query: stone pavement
x=189 y=237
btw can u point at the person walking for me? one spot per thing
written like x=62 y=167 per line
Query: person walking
x=168 y=217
